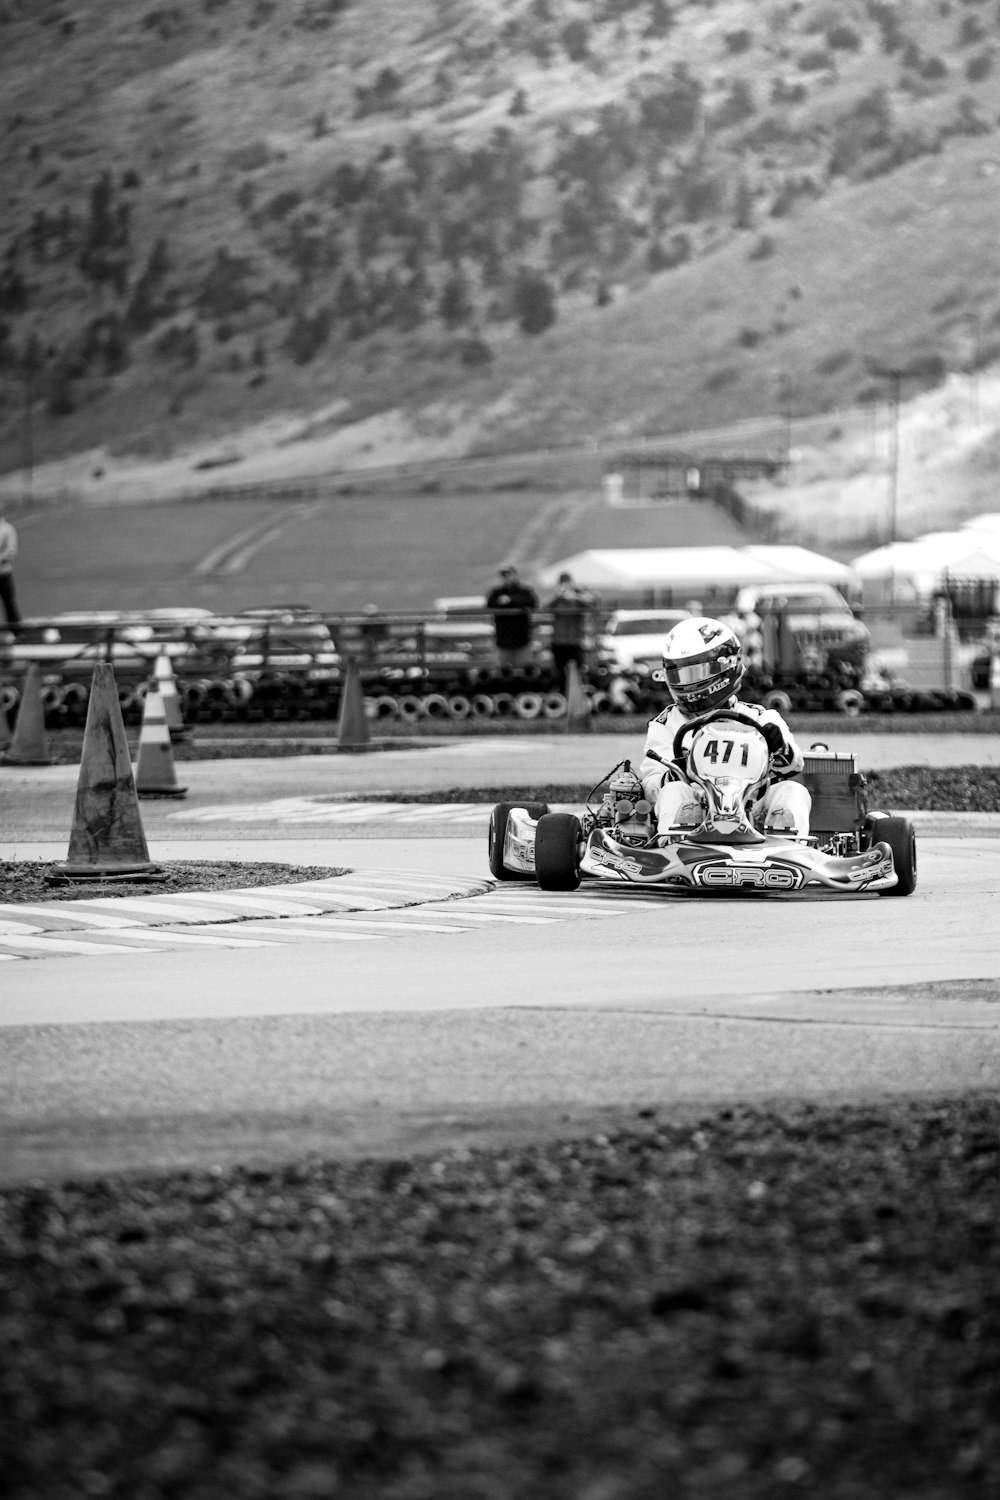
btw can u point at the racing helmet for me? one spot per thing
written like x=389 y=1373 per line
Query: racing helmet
x=703 y=665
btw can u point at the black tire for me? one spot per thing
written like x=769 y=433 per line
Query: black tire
x=557 y=852
x=498 y=834
x=899 y=835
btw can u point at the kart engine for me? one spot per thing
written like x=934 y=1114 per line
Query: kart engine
x=625 y=808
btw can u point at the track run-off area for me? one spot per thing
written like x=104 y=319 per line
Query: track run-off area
x=425 y=1004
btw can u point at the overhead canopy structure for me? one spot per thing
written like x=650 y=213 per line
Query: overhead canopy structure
x=668 y=575
x=927 y=565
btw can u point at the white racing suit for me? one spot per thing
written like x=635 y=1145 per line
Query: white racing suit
x=783 y=806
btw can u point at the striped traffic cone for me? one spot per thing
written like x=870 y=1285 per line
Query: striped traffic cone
x=166 y=682
x=155 y=775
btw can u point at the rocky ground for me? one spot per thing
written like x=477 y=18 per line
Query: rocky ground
x=39 y=880
x=758 y=1302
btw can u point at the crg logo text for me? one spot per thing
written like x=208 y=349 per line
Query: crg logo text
x=615 y=862
x=756 y=877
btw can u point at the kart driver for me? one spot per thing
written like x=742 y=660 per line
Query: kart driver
x=703 y=667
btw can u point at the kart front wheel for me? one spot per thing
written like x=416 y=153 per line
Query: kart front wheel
x=557 y=852
x=899 y=835
x=498 y=837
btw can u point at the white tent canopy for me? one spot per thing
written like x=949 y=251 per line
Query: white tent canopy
x=633 y=570
x=920 y=567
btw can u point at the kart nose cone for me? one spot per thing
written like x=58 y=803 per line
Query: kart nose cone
x=711 y=834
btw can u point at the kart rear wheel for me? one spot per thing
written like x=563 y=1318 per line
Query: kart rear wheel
x=557 y=852
x=498 y=836
x=899 y=835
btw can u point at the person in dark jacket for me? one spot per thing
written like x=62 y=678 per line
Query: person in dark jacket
x=512 y=604
x=8 y=594
x=571 y=609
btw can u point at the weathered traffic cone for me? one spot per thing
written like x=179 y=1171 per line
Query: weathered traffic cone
x=29 y=746
x=155 y=775
x=107 y=840
x=4 y=721
x=166 y=682
x=577 y=703
x=352 y=726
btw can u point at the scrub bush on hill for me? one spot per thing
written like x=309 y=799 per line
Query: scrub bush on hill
x=583 y=193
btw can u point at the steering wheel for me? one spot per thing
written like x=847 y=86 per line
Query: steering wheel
x=717 y=713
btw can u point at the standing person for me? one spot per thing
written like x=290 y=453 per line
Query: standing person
x=373 y=632
x=511 y=603
x=570 y=607
x=8 y=596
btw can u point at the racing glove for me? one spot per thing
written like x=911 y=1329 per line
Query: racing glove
x=774 y=737
x=778 y=749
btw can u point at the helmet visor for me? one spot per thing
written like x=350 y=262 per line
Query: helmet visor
x=689 y=674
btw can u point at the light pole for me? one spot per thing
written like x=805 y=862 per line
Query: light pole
x=896 y=374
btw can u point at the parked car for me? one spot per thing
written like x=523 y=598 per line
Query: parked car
x=818 y=619
x=632 y=639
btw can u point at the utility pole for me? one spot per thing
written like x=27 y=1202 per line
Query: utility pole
x=895 y=375
x=31 y=364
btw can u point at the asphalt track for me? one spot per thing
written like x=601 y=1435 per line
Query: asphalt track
x=422 y=1007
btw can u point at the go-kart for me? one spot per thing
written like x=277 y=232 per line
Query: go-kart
x=850 y=848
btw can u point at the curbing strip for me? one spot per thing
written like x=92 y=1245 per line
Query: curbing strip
x=371 y=890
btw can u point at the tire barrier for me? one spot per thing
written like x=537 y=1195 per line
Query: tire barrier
x=410 y=708
x=850 y=702
x=528 y=705
x=75 y=698
x=465 y=694
x=435 y=706
x=192 y=696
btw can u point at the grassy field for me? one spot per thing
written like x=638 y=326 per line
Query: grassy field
x=337 y=552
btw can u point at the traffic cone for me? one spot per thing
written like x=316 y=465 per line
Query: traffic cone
x=29 y=747
x=107 y=840
x=166 y=682
x=352 y=727
x=4 y=721
x=577 y=703
x=155 y=775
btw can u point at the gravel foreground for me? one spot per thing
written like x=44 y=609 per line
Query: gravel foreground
x=801 y=1300
x=28 y=879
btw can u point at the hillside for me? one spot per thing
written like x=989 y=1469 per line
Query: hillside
x=261 y=239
